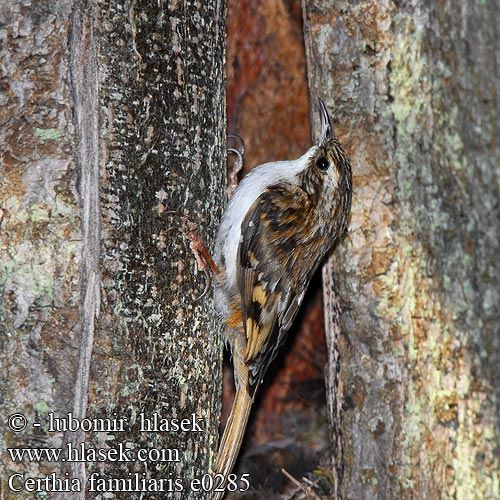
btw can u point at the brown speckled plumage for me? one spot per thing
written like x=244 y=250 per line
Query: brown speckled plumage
x=291 y=223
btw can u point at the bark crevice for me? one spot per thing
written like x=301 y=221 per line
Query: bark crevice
x=84 y=82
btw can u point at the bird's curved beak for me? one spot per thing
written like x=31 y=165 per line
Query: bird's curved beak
x=326 y=126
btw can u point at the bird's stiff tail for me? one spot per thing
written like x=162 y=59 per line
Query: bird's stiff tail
x=233 y=436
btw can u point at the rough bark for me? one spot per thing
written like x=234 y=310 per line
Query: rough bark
x=110 y=111
x=41 y=236
x=415 y=87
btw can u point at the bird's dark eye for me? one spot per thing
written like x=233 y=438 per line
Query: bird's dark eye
x=322 y=163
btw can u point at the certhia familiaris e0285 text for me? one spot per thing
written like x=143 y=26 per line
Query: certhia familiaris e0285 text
x=281 y=221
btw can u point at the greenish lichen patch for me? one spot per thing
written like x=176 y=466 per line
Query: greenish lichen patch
x=435 y=174
x=30 y=271
x=42 y=407
x=48 y=134
x=39 y=213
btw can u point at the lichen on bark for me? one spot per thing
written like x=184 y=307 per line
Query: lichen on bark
x=40 y=242
x=108 y=109
x=157 y=351
x=416 y=87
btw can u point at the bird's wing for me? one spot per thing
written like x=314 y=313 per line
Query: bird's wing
x=274 y=269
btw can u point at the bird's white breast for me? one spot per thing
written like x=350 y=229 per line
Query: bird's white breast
x=249 y=189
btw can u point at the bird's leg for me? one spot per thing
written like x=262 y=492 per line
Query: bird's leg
x=200 y=251
x=236 y=167
x=202 y=255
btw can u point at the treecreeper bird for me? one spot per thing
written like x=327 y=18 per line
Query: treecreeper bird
x=281 y=221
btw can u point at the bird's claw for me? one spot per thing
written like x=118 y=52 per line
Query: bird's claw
x=235 y=169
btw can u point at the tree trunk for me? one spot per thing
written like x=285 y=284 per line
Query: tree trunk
x=111 y=113
x=415 y=88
